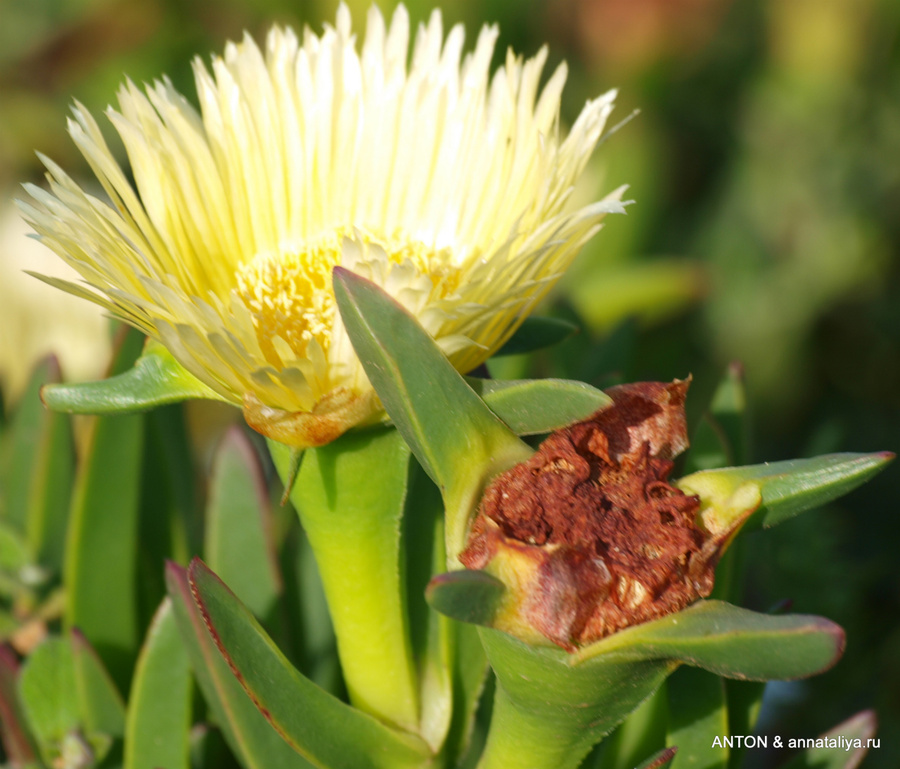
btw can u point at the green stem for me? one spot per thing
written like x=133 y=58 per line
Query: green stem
x=350 y=496
x=530 y=740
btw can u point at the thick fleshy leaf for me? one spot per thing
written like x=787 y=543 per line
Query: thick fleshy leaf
x=698 y=714
x=238 y=542
x=101 y=597
x=40 y=469
x=16 y=739
x=457 y=439
x=640 y=735
x=843 y=747
x=155 y=379
x=100 y=704
x=250 y=736
x=157 y=730
x=350 y=496
x=789 y=487
x=531 y=407
x=535 y=333
x=320 y=727
x=577 y=698
x=49 y=697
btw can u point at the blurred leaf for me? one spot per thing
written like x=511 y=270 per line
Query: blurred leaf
x=101 y=551
x=249 y=735
x=238 y=541
x=350 y=496
x=789 y=487
x=155 y=379
x=28 y=434
x=100 y=704
x=531 y=407
x=535 y=333
x=14 y=734
x=834 y=753
x=49 y=695
x=698 y=713
x=157 y=732
x=459 y=442
x=651 y=291
x=326 y=731
x=744 y=700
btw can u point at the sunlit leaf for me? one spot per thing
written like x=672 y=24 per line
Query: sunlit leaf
x=326 y=731
x=155 y=379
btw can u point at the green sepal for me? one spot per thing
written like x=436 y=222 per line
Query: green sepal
x=789 y=487
x=326 y=731
x=466 y=595
x=158 y=724
x=535 y=406
x=457 y=439
x=536 y=333
x=860 y=727
x=238 y=543
x=250 y=736
x=568 y=702
x=155 y=379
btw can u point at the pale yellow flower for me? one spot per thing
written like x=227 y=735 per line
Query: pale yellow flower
x=440 y=182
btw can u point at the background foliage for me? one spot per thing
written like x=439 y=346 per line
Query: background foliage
x=764 y=168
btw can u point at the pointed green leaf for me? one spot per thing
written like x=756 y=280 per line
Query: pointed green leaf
x=100 y=704
x=842 y=747
x=326 y=731
x=531 y=407
x=155 y=379
x=468 y=595
x=40 y=466
x=14 y=734
x=790 y=487
x=157 y=731
x=239 y=544
x=350 y=496
x=249 y=735
x=101 y=598
x=535 y=333
x=47 y=691
x=659 y=760
x=458 y=440
x=698 y=714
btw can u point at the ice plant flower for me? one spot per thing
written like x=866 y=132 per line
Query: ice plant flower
x=444 y=184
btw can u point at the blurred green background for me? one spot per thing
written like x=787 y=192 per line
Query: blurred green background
x=765 y=166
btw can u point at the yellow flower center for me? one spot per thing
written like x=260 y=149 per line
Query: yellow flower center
x=289 y=293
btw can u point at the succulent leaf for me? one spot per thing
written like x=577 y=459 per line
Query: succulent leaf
x=157 y=731
x=535 y=333
x=326 y=731
x=458 y=440
x=155 y=379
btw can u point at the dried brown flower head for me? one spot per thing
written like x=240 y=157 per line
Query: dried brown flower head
x=588 y=533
